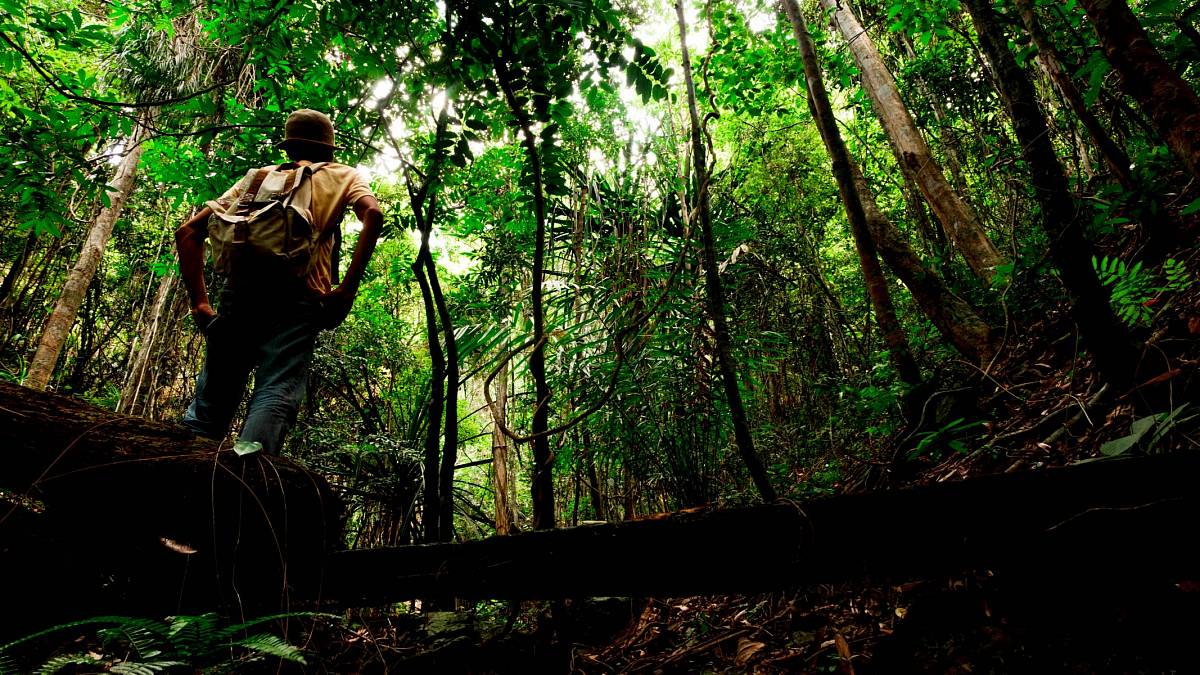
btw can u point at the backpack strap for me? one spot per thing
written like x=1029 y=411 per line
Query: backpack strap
x=256 y=184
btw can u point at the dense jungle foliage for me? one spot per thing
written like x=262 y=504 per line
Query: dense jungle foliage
x=815 y=247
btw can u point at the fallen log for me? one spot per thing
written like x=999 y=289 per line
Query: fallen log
x=104 y=513
x=101 y=513
x=1115 y=518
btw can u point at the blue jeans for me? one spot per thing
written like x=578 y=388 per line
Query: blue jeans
x=275 y=339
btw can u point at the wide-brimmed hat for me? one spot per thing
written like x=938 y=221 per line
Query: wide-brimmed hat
x=311 y=127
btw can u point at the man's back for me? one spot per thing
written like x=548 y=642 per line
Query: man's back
x=334 y=187
x=270 y=314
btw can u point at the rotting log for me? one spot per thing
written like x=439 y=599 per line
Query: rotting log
x=103 y=513
x=1119 y=517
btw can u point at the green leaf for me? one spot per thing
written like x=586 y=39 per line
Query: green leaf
x=1141 y=426
x=1188 y=210
x=1120 y=445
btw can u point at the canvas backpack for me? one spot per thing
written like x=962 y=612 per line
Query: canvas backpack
x=270 y=225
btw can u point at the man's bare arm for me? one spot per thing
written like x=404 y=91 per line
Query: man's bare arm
x=339 y=301
x=366 y=209
x=189 y=243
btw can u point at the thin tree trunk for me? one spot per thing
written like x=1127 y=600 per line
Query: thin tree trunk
x=431 y=512
x=504 y=520
x=450 y=428
x=438 y=514
x=18 y=266
x=712 y=282
x=595 y=496
x=877 y=290
x=894 y=339
x=1103 y=334
x=542 y=485
x=139 y=374
x=1164 y=96
x=955 y=319
x=959 y=220
x=62 y=318
x=1114 y=156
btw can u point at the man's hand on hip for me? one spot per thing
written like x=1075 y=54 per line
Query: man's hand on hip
x=203 y=315
x=335 y=306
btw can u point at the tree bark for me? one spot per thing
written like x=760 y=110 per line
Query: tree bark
x=75 y=477
x=139 y=374
x=955 y=319
x=1170 y=102
x=504 y=520
x=431 y=507
x=1132 y=513
x=959 y=220
x=542 y=484
x=822 y=112
x=1116 y=159
x=712 y=283
x=62 y=318
x=1103 y=334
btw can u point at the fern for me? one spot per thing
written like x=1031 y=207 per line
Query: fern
x=1177 y=276
x=193 y=636
x=140 y=646
x=144 y=636
x=271 y=645
x=1135 y=289
x=57 y=663
x=145 y=668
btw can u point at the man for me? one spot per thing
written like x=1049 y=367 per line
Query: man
x=270 y=316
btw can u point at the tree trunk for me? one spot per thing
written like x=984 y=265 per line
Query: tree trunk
x=712 y=283
x=1134 y=514
x=1114 y=156
x=822 y=112
x=450 y=429
x=18 y=266
x=959 y=220
x=139 y=375
x=955 y=319
x=1164 y=96
x=432 y=510
x=62 y=318
x=1103 y=334
x=504 y=521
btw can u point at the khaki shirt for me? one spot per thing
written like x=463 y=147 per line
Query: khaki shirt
x=334 y=188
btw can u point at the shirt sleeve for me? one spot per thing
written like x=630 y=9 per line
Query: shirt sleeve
x=358 y=189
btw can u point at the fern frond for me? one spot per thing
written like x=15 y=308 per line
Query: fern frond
x=66 y=660
x=147 y=637
x=144 y=667
x=271 y=645
x=66 y=626
x=230 y=632
x=195 y=636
